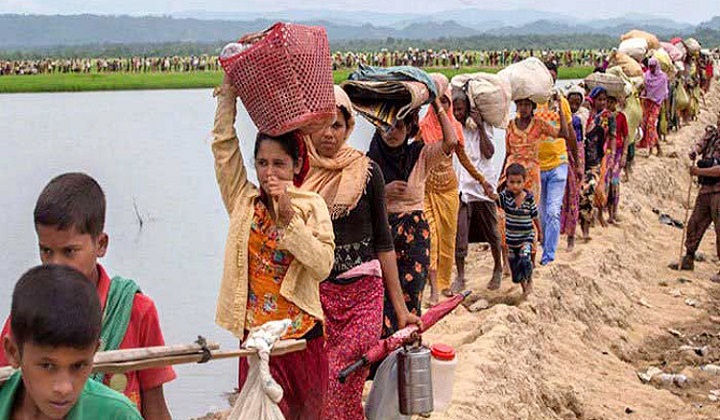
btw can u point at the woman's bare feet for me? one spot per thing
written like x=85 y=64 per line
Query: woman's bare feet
x=527 y=287
x=570 y=243
x=458 y=285
x=601 y=219
x=495 y=281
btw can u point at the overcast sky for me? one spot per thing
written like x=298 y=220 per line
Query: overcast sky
x=693 y=11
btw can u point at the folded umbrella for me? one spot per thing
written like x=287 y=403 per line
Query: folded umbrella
x=386 y=346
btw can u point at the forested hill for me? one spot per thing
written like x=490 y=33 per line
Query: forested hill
x=125 y=34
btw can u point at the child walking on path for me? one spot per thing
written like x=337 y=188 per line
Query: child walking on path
x=521 y=223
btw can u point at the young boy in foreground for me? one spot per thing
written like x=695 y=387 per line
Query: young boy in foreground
x=521 y=223
x=69 y=221
x=56 y=323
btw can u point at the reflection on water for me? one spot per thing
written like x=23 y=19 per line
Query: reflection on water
x=150 y=149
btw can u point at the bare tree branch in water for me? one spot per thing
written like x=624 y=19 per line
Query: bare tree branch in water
x=140 y=220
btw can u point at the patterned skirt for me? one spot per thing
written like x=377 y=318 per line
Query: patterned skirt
x=353 y=321
x=651 y=112
x=571 y=201
x=411 y=233
x=613 y=177
x=590 y=186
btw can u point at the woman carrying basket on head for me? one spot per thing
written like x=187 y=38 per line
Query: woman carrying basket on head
x=280 y=247
x=365 y=262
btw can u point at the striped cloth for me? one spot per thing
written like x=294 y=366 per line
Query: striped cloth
x=519 y=228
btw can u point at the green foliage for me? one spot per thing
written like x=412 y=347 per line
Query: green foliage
x=108 y=81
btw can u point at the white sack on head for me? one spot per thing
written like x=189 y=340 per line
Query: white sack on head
x=529 y=79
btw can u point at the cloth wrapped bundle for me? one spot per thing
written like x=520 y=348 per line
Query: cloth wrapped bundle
x=666 y=63
x=489 y=93
x=385 y=95
x=629 y=66
x=529 y=79
x=693 y=46
x=614 y=85
x=634 y=47
x=675 y=53
x=652 y=41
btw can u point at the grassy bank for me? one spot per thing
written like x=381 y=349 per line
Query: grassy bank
x=131 y=81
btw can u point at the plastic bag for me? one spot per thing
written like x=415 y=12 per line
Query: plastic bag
x=489 y=93
x=383 y=402
x=260 y=395
x=529 y=79
x=682 y=99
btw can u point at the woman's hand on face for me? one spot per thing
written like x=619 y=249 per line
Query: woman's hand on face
x=277 y=190
x=395 y=189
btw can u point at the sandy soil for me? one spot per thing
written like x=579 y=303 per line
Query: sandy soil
x=599 y=315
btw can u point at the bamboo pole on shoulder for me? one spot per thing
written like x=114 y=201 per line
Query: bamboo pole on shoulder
x=130 y=360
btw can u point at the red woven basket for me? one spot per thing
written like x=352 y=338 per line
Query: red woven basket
x=285 y=78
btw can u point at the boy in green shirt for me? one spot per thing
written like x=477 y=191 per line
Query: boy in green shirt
x=55 y=324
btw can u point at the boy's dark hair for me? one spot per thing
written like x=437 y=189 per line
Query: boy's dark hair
x=516 y=169
x=55 y=306
x=72 y=200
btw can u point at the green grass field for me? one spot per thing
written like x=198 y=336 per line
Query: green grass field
x=131 y=81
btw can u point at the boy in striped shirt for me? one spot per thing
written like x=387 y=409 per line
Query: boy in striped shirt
x=521 y=223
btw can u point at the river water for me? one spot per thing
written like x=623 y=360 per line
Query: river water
x=149 y=149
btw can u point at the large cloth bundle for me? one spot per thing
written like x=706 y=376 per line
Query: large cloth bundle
x=283 y=76
x=529 y=79
x=633 y=109
x=490 y=94
x=634 y=47
x=666 y=63
x=673 y=51
x=629 y=66
x=385 y=95
x=614 y=85
x=632 y=84
x=652 y=40
x=693 y=46
x=259 y=397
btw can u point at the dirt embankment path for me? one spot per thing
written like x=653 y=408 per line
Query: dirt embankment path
x=598 y=316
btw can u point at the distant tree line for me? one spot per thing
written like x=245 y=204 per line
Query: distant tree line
x=707 y=37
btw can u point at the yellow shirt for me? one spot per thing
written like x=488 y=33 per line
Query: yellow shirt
x=553 y=150
x=308 y=237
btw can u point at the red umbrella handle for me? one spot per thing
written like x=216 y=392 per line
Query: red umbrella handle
x=352 y=368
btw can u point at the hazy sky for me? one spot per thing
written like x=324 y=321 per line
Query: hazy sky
x=682 y=10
